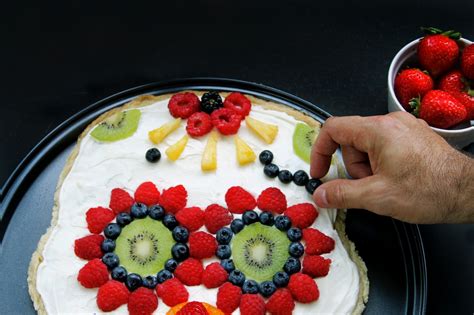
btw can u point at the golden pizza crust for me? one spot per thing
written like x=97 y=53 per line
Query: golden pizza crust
x=146 y=100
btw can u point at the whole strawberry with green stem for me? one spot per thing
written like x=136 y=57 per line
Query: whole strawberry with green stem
x=411 y=83
x=467 y=62
x=458 y=86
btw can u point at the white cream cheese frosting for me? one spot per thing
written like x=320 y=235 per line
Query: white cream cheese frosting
x=100 y=167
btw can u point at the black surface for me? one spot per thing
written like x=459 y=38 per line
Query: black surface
x=57 y=58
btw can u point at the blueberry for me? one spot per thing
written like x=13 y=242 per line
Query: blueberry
x=292 y=265
x=224 y=235
x=119 y=273
x=139 y=210
x=250 y=217
x=250 y=286
x=266 y=157
x=236 y=277
x=223 y=251
x=281 y=279
x=266 y=218
x=294 y=234
x=153 y=155
x=171 y=264
x=150 y=282
x=163 y=275
x=312 y=184
x=267 y=288
x=133 y=281
x=228 y=264
x=300 y=178
x=110 y=260
x=285 y=176
x=156 y=212
x=296 y=249
x=237 y=225
x=271 y=170
x=180 y=251
x=282 y=222
x=108 y=245
x=112 y=230
x=123 y=218
x=180 y=234
x=170 y=221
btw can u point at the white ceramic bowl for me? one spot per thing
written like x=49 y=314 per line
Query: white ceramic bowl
x=460 y=136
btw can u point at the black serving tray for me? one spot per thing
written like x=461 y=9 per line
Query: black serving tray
x=393 y=251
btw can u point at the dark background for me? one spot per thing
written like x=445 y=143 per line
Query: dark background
x=56 y=60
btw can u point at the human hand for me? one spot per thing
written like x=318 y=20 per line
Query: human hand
x=400 y=168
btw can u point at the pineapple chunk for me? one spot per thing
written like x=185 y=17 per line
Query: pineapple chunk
x=209 y=157
x=245 y=153
x=265 y=131
x=159 y=134
x=174 y=151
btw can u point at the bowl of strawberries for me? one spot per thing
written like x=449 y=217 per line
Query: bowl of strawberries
x=432 y=77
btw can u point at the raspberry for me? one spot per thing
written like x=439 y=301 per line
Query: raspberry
x=281 y=303
x=216 y=217
x=183 y=105
x=174 y=199
x=316 y=242
x=226 y=121
x=190 y=272
x=88 y=247
x=252 y=304
x=303 y=288
x=147 y=193
x=214 y=275
x=228 y=297
x=202 y=245
x=142 y=301
x=316 y=266
x=93 y=274
x=238 y=103
x=199 y=124
x=191 y=218
x=172 y=292
x=193 y=308
x=112 y=295
x=97 y=219
x=272 y=199
x=302 y=215
x=120 y=201
x=239 y=200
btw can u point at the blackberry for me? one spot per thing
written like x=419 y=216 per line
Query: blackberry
x=153 y=155
x=312 y=184
x=266 y=157
x=271 y=170
x=211 y=101
x=285 y=176
x=300 y=178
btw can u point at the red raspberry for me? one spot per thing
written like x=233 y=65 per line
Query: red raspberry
x=281 y=303
x=228 y=297
x=316 y=242
x=120 y=201
x=183 y=105
x=93 y=274
x=272 y=199
x=193 y=308
x=316 y=266
x=142 y=301
x=112 y=295
x=202 y=245
x=172 y=292
x=174 y=199
x=239 y=200
x=199 y=124
x=302 y=215
x=189 y=272
x=88 y=247
x=191 y=218
x=98 y=218
x=216 y=217
x=238 y=103
x=214 y=275
x=226 y=121
x=147 y=193
x=252 y=304
x=303 y=288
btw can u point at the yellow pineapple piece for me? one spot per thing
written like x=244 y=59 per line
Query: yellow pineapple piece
x=245 y=153
x=266 y=131
x=209 y=157
x=175 y=150
x=159 y=134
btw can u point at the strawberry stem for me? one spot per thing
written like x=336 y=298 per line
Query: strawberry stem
x=415 y=106
x=436 y=31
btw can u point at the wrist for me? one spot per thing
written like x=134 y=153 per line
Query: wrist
x=462 y=205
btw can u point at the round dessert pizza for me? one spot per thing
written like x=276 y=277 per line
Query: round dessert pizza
x=196 y=203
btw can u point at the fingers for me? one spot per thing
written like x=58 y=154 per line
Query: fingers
x=356 y=162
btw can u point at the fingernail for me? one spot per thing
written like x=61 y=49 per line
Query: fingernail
x=320 y=198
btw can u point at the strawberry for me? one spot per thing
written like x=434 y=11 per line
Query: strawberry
x=216 y=217
x=98 y=218
x=411 y=83
x=317 y=243
x=467 y=62
x=199 y=124
x=183 y=105
x=174 y=199
x=302 y=215
x=111 y=296
x=189 y=272
x=281 y=303
x=316 y=266
x=228 y=297
x=142 y=301
x=172 y=292
x=120 y=201
x=147 y=193
x=88 y=247
x=93 y=274
x=239 y=200
x=214 y=275
x=202 y=245
x=458 y=86
x=226 y=121
x=272 y=199
x=191 y=218
x=303 y=288
x=238 y=103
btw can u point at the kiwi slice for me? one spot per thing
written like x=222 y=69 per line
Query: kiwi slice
x=118 y=126
x=144 y=246
x=303 y=139
x=259 y=251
